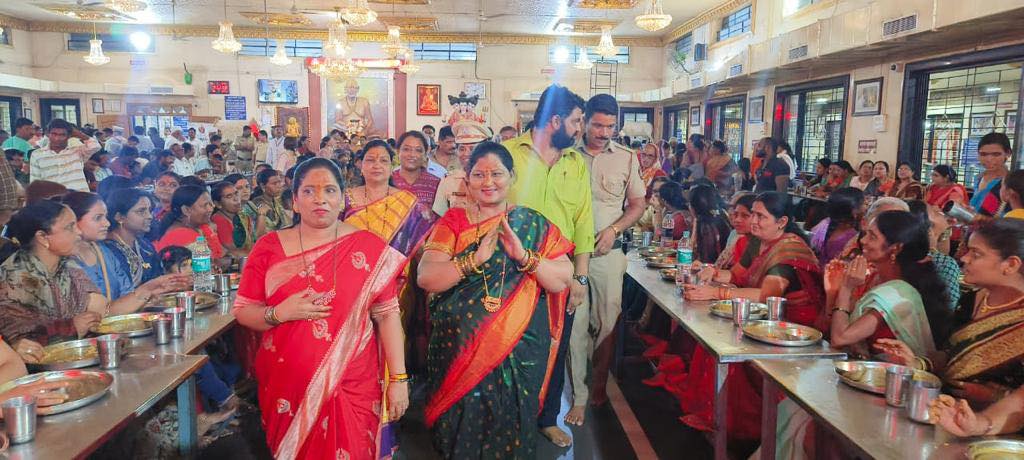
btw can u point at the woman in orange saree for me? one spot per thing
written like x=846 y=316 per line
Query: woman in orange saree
x=319 y=365
x=782 y=265
x=497 y=316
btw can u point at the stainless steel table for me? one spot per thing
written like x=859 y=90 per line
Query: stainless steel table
x=863 y=421
x=141 y=381
x=719 y=336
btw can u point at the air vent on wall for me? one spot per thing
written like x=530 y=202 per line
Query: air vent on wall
x=695 y=82
x=900 y=25
x=735 y=70
x=161 y=90
x=798 y=52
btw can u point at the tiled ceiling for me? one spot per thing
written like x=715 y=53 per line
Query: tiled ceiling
x=452 y=16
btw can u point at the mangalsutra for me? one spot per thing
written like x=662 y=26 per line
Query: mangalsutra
x=491 y=303
x=327 y=297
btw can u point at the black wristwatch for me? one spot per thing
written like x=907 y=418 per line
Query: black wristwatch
x=582 y=279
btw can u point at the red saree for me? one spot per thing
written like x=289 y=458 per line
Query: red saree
x=939 y=196
x=743 y=382
x=320 y=381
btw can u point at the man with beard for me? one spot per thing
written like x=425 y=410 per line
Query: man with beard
x=443 y=161
x=773 y=176
x=614 y=180
x=553 y=179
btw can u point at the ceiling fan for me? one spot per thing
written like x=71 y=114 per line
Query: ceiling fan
x=174 y=22
x=86 y=11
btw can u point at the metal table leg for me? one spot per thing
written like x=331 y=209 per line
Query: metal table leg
x=769 y=418
x=188 y=435
x=721 y=412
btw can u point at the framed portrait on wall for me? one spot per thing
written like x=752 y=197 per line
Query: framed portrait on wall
x=475 y=88
x=1010 y=120
x=112 y=105
x=97 y=105
x=695 y=116
x=867 y=97
x=27 y=113
x=295 y=120
x=755 y=110
x=982 y=124
x=428 y=100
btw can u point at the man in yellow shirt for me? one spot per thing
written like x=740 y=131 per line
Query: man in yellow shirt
x=553 y=179
x=1012 y=193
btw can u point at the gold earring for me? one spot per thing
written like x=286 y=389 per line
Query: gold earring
x=893 y=257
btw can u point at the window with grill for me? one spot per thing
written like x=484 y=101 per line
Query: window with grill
x=5 y=36
x=443 y=51
x=792 y=6
x=293 y=48
x=685 y=45
x=112 y=43
x=574 y=53
x=736 y=23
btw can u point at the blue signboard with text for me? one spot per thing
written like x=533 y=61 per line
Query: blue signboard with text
x=234 y=108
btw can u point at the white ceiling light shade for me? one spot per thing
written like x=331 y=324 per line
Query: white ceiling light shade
x=359 y=13
x=280 y=56
x=393 y=47
x=654 y=17
x=584 y=62
x=225 y=42
x=96 y=56
x=409 y=66
x=127 y=6
x=337 y=38
x=140 y=40
x=606 y=48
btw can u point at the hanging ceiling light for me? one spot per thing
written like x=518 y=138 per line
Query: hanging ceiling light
x=359 y=13
x=330 y=68
x=584 y=62
x=96 y=56
x=393 y=47
x=606 y=48
x=654 y=17
x=127 y=6
x=409 y=66
x=280 y=56
x=225 y=42
x=337 y=38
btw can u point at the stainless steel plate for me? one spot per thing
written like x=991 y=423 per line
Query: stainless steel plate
x=131 y=325
x=996 y=449
x=655 y=251
x=661 y=262
x=204 y=300
x=782 y=333
x=723 y=309
x=668 y=274
x=870 y=375
x=73 y=354
x=85 y=387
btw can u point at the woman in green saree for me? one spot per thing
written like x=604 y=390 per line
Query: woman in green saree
x=982 y=360
x=496 y=316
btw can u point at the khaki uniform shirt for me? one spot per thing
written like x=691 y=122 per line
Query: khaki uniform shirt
x=451 y=193
x=614 y=178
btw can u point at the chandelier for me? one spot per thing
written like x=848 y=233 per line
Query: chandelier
x=393 y=46
x=280 y=56
x=584 y=62
x=127 y=6
x=409 y=66
x=330 y=68
x=359 y=13
x=337 y=39
x=654 y=17
x=225 y=42
x=605 y=48
x=96 y=56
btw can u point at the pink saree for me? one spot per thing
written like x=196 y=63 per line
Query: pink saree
x=319 y=382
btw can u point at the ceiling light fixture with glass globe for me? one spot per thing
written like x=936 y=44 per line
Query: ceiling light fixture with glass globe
x=409 y=65
x=654 y=17
x=337 y=38
x=393 y=46
x=96 y=56
x=127 y=6
x=225 y=42
x=359 y=13
x=280 y=56
x=606 y=48
x=583 y=62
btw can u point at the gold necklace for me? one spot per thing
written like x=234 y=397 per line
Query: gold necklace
x=491 y=303
x=309 y=270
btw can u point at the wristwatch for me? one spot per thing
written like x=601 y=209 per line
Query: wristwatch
x=582 y=279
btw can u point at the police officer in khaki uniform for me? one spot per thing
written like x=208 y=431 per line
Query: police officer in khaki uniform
x=618 y=202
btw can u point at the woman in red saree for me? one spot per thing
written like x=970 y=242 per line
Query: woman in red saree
x=188 y=219
x=316 y=291
x=781 y=265
x=497 y=316
x=944 y=188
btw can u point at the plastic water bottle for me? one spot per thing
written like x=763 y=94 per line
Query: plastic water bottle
x=684 y=250
x=668 y=226
x=202 y=267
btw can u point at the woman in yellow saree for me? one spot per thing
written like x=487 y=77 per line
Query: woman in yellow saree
x=497 y=316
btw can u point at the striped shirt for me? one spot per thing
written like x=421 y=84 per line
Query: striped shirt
x=66 y=167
